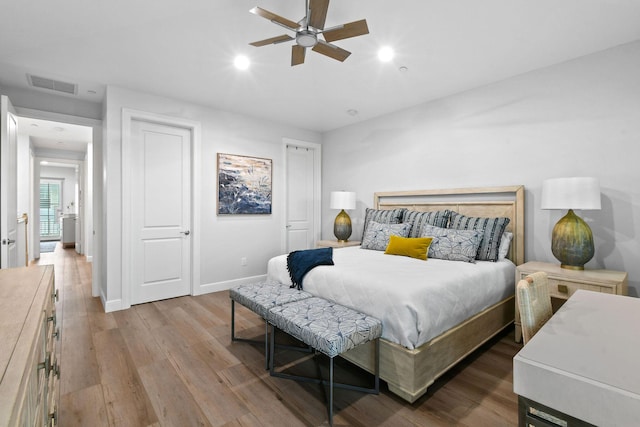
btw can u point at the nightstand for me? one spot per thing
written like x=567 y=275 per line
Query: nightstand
x=336 y=244
x=564 y=282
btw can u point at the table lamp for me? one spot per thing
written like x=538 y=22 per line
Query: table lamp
x=571 y=240
x=342 y=200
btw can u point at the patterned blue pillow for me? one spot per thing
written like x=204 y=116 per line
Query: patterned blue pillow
x=377 y=235
x=490 y=228
x=419 y=219
x=381 y=216
x=452 y=245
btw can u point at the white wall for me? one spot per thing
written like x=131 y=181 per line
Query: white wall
x=224 y=239
x=580 y=118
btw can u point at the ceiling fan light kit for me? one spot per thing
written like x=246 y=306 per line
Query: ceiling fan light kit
x=306 y=38
x=308 y=29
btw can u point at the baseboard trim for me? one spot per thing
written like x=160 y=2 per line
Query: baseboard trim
x=228 y=284
x=112 y=305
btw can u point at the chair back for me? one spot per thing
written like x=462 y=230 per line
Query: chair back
x=534 y=303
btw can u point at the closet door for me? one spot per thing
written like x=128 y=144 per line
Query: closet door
x=161 y=202
x=303 y=199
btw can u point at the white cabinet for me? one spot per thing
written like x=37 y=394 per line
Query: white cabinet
x=68 y=230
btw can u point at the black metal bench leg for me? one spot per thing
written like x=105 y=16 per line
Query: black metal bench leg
x=234 y=338
x=266 y=345
x=331 y=392
x=272 y=349
x=233 y=320
x=330 y=383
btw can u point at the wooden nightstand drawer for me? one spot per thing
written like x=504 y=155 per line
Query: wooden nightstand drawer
x=336 y=244
x=564 y=288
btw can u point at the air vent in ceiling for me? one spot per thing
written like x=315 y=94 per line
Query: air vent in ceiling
x=57 y=85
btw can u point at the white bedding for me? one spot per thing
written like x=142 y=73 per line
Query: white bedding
x=416 y=300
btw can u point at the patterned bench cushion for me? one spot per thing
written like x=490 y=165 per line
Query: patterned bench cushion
x=324 y=325
x=260 y=297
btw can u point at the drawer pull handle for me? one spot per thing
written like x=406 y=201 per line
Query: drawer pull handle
x=53 y=419
x=56 y=334
x=46 y=365
x=563 y=289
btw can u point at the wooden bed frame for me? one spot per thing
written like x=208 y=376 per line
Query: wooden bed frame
x=409 y=373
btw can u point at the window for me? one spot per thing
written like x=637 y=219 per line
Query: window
x=50 y=199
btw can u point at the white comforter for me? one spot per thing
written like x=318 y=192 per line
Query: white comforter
x=416 y=300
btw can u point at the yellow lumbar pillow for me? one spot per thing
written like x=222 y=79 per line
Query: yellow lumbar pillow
x=414 y=247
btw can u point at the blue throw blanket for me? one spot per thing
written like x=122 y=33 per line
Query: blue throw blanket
x=300 y=263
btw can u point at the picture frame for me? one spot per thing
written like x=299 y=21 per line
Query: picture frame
x=244 y=185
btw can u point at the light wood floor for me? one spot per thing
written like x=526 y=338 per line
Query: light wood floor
x=171 y=363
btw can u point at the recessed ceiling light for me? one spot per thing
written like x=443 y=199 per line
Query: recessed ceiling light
x=352 y=112
x=44 y=162
x=241 y=62
x=403 y=69
x=385 y=54
x=58 y=129
x=35 y=125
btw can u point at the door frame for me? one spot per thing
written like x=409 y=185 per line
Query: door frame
x=128 y=116
x=317 y=188
x=92 y=217
x=7 y=217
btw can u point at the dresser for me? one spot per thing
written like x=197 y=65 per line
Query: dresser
x=29 y=333
x=564 y=282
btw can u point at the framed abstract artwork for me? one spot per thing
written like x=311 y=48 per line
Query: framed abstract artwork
x=244 y=185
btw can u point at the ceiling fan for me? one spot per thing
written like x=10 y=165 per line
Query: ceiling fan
x=310 y=32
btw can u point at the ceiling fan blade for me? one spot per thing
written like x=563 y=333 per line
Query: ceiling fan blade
x=332 y=51
x=297 y=55
x=293 y=26
x=273 y=40
x=352 y=29
x=318 y=13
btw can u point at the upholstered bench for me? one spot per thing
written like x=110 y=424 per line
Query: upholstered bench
x=259 y=298
x=329 y=328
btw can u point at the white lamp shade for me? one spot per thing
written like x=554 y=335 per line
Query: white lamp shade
x=571 y=193
x=343 y=200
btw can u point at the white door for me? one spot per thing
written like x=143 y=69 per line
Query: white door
x=8 y=183
x=161 y=211
x=301 y=197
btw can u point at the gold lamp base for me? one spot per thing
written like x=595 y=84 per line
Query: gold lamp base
x=572 y=242
x=342 y=226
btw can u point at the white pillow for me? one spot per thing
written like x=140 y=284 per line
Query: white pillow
x=505 y=242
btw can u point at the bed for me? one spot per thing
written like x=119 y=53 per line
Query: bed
x=424 y=333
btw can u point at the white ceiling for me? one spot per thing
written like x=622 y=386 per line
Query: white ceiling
x=46 y=135
x=185 y=50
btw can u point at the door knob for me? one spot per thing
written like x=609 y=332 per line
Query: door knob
x=186 y=233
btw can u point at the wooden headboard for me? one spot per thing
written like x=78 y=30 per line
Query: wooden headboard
x=484 y=201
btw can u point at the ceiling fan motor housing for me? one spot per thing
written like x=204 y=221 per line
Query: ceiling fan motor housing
x=306 y=38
